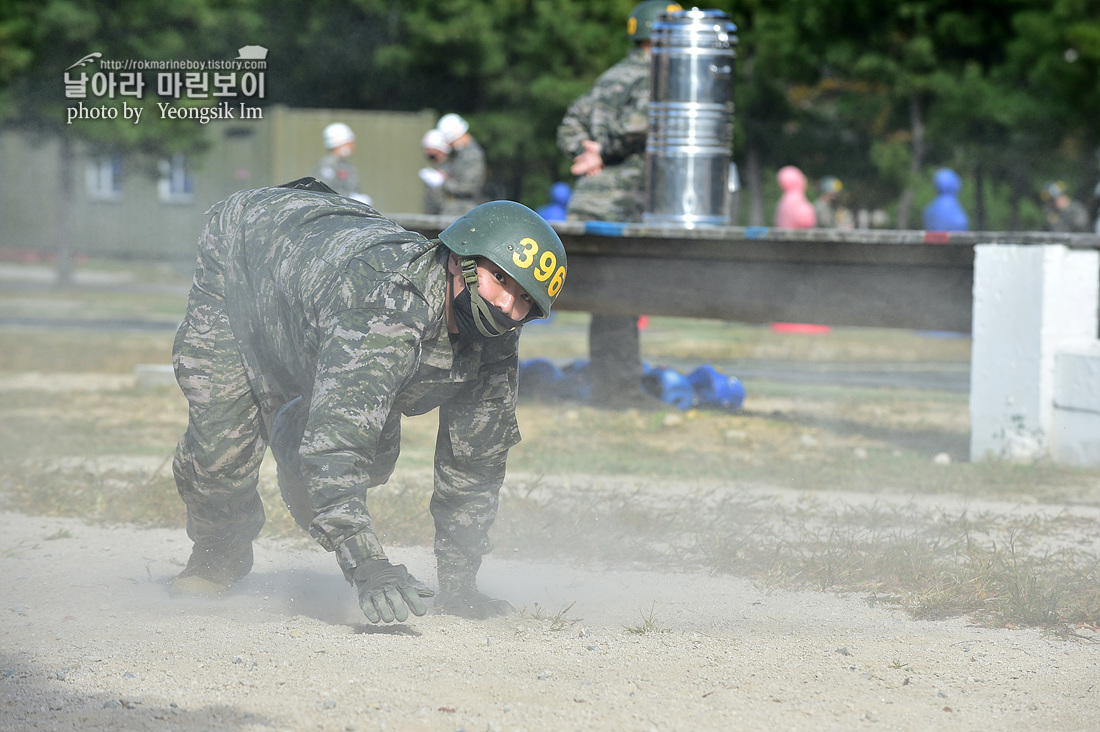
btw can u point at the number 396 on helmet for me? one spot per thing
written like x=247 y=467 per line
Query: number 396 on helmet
x=517 y=240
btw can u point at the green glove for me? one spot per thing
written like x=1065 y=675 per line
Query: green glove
x=387 y=591
x=467 y=602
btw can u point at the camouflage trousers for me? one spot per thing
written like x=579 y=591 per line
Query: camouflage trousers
x=217 y=460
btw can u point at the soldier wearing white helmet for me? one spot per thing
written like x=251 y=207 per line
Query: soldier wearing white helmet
x=464 y=172
x=436 y=150
x=335 y=168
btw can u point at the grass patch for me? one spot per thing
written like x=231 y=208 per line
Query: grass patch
x=555 y=621
x=648 y=624
x=1000 y=567
x=830 y=488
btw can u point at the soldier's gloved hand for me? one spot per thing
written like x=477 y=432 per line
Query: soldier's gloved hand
x=387 y=591
x=467 y=602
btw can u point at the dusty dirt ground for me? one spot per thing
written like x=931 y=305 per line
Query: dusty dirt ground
x=90 y=640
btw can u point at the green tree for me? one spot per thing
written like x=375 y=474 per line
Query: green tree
x=510 y=68
x=46 y=39
x=1002 y=90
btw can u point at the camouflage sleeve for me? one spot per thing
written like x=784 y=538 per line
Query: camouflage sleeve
x=362 y=363
x=624 y=131
x=476 y=431
x=573 y=130
x=614 y=113
x=466 y=177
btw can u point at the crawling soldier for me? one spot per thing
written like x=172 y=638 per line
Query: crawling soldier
x=313 y=324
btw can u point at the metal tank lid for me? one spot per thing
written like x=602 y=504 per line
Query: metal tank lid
x=671 y=27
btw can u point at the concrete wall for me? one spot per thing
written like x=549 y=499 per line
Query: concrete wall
x=387 y=151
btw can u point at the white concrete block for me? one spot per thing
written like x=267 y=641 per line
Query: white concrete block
x=1028 y=302
x=1075 y=438
x=1077 y=377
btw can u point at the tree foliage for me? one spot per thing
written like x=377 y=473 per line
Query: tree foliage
x=877 y=92
x=46 y=38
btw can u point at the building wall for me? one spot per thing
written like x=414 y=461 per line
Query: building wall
x=35 y=208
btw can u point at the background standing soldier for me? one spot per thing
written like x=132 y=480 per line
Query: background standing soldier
x=830 y=214
x=335 y=169
x=313 y=325
x=1063 y=213
x=436 y=150
x=464 y=172
x=604 y=132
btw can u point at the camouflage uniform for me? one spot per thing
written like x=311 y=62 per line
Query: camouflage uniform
x=338 y=174
x=1073 y=218
x=614 y=113
x=302 y=293
x=464 y=186
x=826 y=215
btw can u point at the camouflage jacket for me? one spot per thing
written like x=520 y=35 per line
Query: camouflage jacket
x=329 y=300
x=1073 y=218
x=338 y=174
x=464 y=186
x=614 y=113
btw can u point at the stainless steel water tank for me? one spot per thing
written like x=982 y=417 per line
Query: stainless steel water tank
x=690 y=119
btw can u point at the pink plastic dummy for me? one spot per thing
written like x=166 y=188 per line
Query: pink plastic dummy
x=794 y=210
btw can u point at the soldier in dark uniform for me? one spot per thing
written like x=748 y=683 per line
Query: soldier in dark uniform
x=604 y=132
x=313 y=324
x=1064 y=214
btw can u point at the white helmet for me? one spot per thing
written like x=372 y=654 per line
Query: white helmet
x=435 y=140
x=338 y=134
x=452 y=126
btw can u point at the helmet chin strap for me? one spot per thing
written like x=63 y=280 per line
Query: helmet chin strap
x=483 y=314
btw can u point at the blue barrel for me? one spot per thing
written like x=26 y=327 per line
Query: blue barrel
x=716 y=390
x=669 y=385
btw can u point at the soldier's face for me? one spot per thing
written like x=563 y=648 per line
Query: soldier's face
x=496 y=288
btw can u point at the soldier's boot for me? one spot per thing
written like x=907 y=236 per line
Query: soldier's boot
x=463 y=599
x=212 y=570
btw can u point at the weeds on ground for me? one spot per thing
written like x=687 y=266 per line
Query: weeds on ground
x=1022 y=569
x=648 y=624
x=618 y=486
x=555 y=621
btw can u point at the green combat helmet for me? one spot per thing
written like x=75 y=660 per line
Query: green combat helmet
x=639 y=26
x=517 y=240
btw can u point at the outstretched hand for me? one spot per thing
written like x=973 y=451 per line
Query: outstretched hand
x=387 y=591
